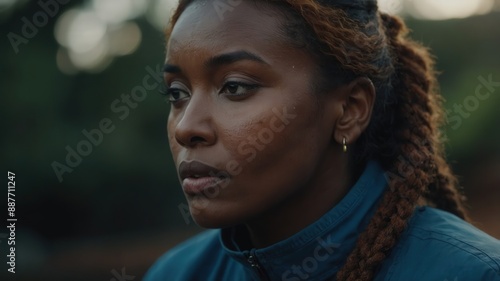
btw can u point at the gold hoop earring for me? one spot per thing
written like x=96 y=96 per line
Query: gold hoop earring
x=344 y=145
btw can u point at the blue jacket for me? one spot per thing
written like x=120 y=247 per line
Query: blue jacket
x=436 y=246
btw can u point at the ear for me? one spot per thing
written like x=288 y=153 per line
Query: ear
x=357 y=99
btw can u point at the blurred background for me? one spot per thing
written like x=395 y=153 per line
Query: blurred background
x=83 y=128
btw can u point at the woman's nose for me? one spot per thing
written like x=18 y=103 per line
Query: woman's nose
x=195 y=127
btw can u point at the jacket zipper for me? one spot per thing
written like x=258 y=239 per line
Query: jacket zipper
x=254 y=263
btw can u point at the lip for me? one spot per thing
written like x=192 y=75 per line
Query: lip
x=197 y=177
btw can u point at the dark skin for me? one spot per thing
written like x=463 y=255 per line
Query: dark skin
x=287 y=179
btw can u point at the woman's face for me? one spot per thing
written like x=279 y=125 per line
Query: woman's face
x=246 y=109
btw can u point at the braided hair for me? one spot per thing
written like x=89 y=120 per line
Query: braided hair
x=353 y=39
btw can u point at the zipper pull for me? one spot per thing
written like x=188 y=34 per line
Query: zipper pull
x=252 y=260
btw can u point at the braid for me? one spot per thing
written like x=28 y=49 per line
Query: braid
x=415 y=167
x=444 y=194
x=443 y=190
x=403 y=135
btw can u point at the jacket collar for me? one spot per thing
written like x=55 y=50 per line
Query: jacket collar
x=319 y=250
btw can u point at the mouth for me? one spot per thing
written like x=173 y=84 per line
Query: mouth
x=199 y=179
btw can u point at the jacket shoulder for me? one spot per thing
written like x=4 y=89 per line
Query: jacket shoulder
x=188 y=260
x=440 y=246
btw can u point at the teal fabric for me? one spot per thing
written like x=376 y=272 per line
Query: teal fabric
x=435 y=246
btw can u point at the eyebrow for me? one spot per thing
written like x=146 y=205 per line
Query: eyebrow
x=233 y=57
x=170 y=68
x=219 y=60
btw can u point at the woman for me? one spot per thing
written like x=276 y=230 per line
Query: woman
x=306 y=133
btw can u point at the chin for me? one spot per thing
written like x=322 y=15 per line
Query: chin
x=215 y=216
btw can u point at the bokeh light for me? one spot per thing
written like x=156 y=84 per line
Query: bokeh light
x=117 y=11
x=160 y=11
x=85 y=32
x=94 y=33
x=446 y=9
x=91 y=37
x=437 y=9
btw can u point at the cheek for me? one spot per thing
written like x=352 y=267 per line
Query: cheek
x=251 y=126
x=271 y=172
x=175 y=147
x=275 y=149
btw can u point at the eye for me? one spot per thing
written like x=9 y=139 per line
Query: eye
x=237 y=89
x=175 y=94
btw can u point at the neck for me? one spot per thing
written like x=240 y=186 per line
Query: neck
x=321 y=193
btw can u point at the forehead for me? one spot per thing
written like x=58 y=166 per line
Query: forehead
x=218 y=25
